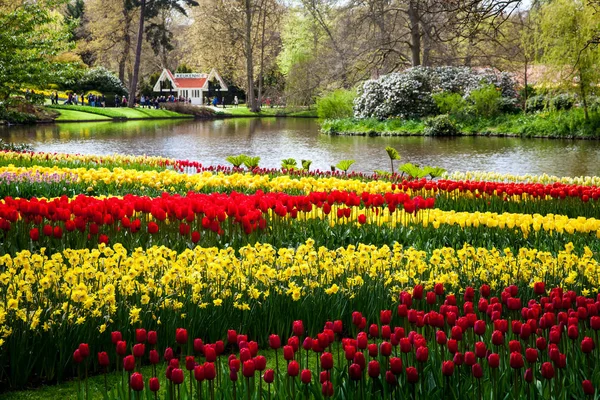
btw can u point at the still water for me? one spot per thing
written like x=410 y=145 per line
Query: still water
x=275 y=139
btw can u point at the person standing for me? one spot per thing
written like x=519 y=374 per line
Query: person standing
x=236 y=101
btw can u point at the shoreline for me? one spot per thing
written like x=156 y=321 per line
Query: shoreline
x=480 y=134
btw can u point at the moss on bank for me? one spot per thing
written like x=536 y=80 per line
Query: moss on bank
x=552 y=124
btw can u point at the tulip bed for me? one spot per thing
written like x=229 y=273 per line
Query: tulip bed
x=188 y=281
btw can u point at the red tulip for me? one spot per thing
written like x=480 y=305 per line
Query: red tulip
x=129 y=363
x=587 y=345
x=210 y=354
x=494 y=360
x=374 y=331
x=412 y=375
x=190 y=363
x=326 y=361
x=588 y=388
x=385 y=348
x=152 y=338
x=154 y=384
x=355 y=372
x=209 y=371
x=77 y=357
x=477 y=371
x=168 y=356
x=497 y=338
x=274 y=342
x=459 y=358
x=198 y=345
x=181 y=336
x=269 y=376
x=298 y=328
x=470 y=359
x=439 y=289
x=199 y=373
x=327 y=389
x=136 y=382
x=385 y=316
x=373 y=369
x=359 y=358
x=547 y=370
x=531 y=355
x=447 y=368
x=232 y=336
x=480 y=350
x=479 y=327
x=177 y=376
x=154 y=358
x=248 y=369
x=440 y=337
x=305 y=376
x=528 y=375
x=138 y=350
x=422 y=354
x=84 y=350
x=103 y=359
x=595 y=322
x=293 y=368
x=516 y=360
x=539 y=288
x=116 y=337
x=140 y=335
x=288 y=353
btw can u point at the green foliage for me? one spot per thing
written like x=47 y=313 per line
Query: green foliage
x=289 y=164
x=383 y=173
x=337 y=104
x=30 y=38
x=237 y=161
x=440 y=125
x=392 y=153
x=434 y=172
x=563 y=101
x=486 y=101
x=101 y=80
x=537 y=103
x=184 y=69
x=412 y=171
x=251 y=162
x=450 y=103
x=4 y=146
x=345 y=165
x=306 y=164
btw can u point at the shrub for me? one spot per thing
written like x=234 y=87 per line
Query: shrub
x=440 y=125
x=486 y=101
x=337 y=104
x=102 y=80
x=536 y=103
x=508 y=105
x=449 y=103
x=409 y=94
x=189 y=109
x=563 y=101
x=4 y=146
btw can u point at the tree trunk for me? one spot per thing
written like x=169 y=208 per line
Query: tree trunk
x=138 y=56
x=415 y=35
x=262 y=60
x=583 y=96
x=426 y=44
x=526 y=91
x=126 y=45
x=249 y=63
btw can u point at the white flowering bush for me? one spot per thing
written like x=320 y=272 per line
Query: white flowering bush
x=408 y=94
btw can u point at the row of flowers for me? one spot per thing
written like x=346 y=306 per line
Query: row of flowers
x=49 y=300
x=545 y=344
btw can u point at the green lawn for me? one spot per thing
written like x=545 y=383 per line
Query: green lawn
x=72 y=115
x=110 y=112
x=270 y=112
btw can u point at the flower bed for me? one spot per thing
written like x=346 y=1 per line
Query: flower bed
x=425 y=288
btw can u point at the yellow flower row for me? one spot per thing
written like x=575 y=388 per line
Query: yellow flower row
x=41 y=292
x=164 y=180
x=152 y=161
x=528 y=178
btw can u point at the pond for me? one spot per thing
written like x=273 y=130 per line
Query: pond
x=275 y=139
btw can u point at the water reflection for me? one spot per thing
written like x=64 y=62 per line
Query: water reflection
x=275 y=139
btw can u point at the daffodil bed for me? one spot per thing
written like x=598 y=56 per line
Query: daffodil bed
x=409 y=272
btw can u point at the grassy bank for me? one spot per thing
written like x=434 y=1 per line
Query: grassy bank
x=87 y=113
x=556 y=124
x=243 y=111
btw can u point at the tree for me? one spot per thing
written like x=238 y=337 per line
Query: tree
x=566 y=29
x=31 y=37
x=150 y=9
